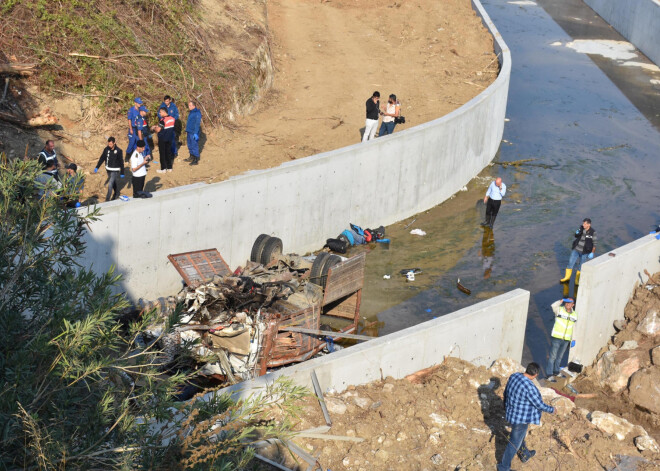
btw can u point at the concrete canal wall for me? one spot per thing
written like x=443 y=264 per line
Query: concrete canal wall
x=306 y=201
x=606 y=285
x=480 y=333
x=636 y=20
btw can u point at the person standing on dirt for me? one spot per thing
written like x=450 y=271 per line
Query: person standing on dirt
x=193 y=127
x=113 y=157
x=165 y=130
x=132 y=115
x=142 y=130
x=139 y=169
x=523 y=404
x=48 y=155
x=562 y=334
x=373 y=110
x=493 y=200
x=583 y=249
x=392 y=110
x=173 y=111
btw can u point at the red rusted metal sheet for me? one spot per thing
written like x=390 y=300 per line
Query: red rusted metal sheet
x=200 y=266
x=345 y=278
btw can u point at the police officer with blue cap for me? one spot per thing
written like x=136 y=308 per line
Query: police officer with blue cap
x=132 y=115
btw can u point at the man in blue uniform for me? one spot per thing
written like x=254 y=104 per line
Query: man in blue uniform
x=173 y=111
x=132 y=115
x=142 y=130
x=192 y=132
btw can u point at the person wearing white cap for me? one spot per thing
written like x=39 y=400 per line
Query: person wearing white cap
x=562 y=334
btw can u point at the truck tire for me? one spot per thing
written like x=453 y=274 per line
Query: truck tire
x=258 y=247
x=272 y=250
x=317 y=268
x=330 y=262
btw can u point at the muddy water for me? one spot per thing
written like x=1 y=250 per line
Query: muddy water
x=590 y=122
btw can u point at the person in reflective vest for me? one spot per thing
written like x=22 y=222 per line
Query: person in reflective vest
x=48 y=155
x=562 y=334
x=165 y=130
x=173 y=111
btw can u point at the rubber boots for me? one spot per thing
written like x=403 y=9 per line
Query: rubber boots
x=565 y=287
x=486 y=221
x=577 y=277
x=567 y=276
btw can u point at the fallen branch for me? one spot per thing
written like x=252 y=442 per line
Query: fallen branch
x=30 y=123
x=17 y=69
x=122 y=56
x=114 y=97
x=321 y=436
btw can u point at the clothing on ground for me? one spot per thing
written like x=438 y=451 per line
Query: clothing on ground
x=523 y=401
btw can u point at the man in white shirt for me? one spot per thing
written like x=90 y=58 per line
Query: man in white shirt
x=139 y=169
x=493 y=200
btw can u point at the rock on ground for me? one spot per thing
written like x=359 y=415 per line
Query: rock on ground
x=505 y=367
x=655 y=355
x=650 y=325
x=615 y=368
x=645 y=442
x=611 y=424
x=644 y=389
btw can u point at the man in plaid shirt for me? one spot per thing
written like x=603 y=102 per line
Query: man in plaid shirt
x=523 y=403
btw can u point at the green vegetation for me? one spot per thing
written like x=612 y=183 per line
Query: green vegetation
x=79 y=387
x=120 y=49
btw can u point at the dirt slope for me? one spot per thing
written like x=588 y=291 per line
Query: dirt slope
x=328 y=57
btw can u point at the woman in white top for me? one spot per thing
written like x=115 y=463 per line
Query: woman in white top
x=392 y=110
x=139 y=169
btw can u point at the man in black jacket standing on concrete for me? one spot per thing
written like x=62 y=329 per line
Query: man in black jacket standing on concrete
x=373 y=109
x=114 y=165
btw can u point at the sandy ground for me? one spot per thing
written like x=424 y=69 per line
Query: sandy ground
x=329 y=57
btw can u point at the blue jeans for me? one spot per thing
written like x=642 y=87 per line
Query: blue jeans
x=575 y=256
x=516 y=444
x=557 y=350
x=193 y=145
x=386 y=128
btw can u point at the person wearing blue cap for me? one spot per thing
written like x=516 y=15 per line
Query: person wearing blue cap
x=132 y=115
x=193 y=124
x=562 y=334
x=583 y=249
x=173 y=111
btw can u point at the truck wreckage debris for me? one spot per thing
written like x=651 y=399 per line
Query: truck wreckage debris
x=264 y=315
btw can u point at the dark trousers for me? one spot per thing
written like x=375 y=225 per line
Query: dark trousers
x=113 y=185
x=166 y=157
x=492 y=207
x=138 y=185
x=193 y=146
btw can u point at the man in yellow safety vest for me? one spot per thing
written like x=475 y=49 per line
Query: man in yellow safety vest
x=562 y=334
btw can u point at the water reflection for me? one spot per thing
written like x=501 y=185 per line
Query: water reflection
x=488 y=251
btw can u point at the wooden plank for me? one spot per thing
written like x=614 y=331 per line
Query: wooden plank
x=327 y=333
x=345 y=278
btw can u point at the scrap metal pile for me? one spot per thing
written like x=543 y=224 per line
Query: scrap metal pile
x=225 y=319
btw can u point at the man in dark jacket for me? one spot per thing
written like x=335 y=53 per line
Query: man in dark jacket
x=173 y=111
x=165 y=130
x=373 y=110
x=48 y=155
x=583 y=249
x=114 y=165
x=192 y=132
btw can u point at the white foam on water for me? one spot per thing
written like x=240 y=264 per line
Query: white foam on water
x=617 y=50
x=556 y=43
x=522 y=2
x=643 y=65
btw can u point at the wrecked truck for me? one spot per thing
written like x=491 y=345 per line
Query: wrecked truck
x=267 y=314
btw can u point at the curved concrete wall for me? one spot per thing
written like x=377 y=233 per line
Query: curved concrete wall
x=305 y=201
x=636 y=20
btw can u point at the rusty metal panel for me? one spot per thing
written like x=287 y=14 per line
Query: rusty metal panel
x=345 y=278
x=344 y=308
x=290 y=347
x=199 y=266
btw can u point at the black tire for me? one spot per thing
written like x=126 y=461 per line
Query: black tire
x=330 y=261
x=272 y=250
x=258 y=247
x=317 y=268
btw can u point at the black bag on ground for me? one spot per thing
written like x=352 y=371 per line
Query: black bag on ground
x=400 y=120
x=337 y=245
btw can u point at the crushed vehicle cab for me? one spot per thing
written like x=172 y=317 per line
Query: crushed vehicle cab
x=266 y=314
